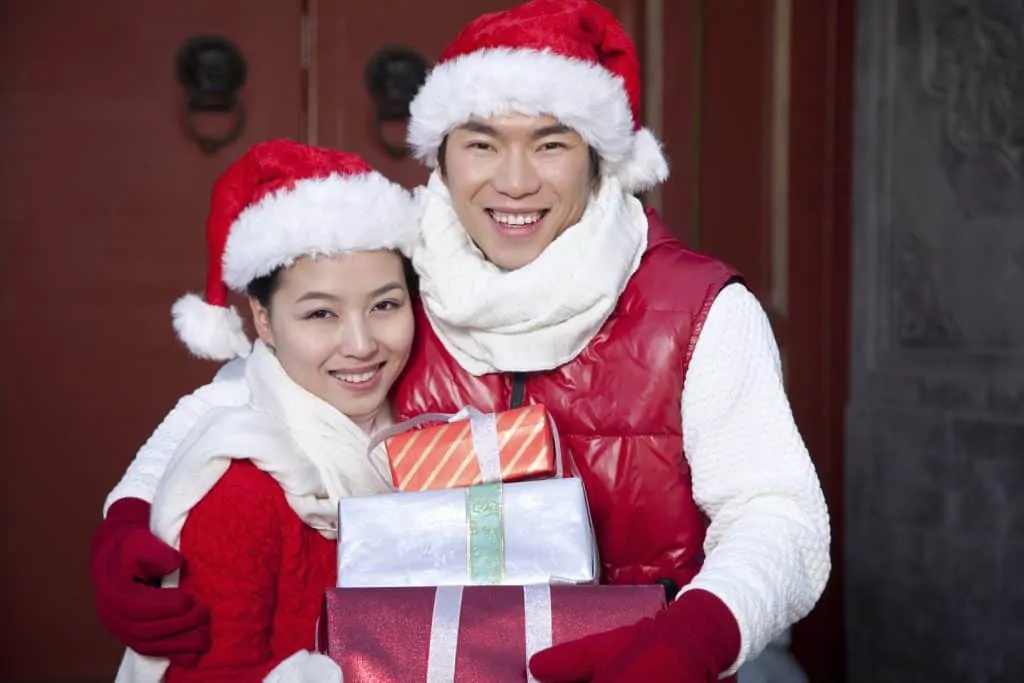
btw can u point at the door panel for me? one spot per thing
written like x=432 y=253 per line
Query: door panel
x=102 y=203
x=758 y=126
x=347 y=36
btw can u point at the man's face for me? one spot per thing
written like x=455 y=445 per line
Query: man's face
x=517 y=183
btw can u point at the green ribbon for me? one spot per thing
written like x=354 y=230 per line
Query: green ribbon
x=485 y=521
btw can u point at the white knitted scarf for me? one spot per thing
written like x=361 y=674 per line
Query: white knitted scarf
x=314 y=452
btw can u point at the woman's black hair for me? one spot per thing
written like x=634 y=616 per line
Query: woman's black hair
x=263 y=288
x=412 y=279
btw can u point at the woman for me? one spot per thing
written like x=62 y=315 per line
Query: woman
x=313 y=237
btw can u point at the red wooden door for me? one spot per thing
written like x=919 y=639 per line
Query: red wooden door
x=757 y=108
x=103 y=197
x=102 y=201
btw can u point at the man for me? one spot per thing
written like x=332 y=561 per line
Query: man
x=544 y=281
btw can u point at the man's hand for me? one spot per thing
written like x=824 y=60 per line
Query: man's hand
x=693 y=640
x=127 y=561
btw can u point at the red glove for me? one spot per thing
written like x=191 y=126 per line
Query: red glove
x=126 y=562
x=693 y=640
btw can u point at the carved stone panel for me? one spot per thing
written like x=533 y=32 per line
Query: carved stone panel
x=940 y=196
x=935 y=428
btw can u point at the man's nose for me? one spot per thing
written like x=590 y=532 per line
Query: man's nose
x=516 y=175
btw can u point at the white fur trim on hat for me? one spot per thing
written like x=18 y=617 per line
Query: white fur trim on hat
x=213 y=332
x=584 y=96
x=318 y=217
x=645 y=166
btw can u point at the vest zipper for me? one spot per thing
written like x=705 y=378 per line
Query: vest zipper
x=518 y=390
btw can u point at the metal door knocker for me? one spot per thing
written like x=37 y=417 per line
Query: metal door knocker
x=394 y=75
x=211 y=69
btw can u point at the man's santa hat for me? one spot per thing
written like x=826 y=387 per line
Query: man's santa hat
x=570 y=59
x=280 y=201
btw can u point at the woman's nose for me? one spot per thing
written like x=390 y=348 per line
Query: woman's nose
x=357 y=341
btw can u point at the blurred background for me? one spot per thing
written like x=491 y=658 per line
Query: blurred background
x=862 y=163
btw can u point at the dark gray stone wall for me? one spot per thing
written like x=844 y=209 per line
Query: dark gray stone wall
x=935 y=429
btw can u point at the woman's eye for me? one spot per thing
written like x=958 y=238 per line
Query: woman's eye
x=480 y=145
x=319 y=314
x=388 y=305
x=548 y=146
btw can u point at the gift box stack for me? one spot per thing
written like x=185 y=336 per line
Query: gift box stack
x=483 y=556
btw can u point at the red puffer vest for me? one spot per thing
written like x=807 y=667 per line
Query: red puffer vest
x=617 y=408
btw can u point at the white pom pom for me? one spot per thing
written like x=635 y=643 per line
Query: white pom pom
x=212 y=332
x=645 y=166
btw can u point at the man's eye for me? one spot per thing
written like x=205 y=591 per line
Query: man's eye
x=548 y=146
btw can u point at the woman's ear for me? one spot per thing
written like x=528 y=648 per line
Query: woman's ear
x=261 y=321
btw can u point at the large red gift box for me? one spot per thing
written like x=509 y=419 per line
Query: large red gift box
x=471 y=634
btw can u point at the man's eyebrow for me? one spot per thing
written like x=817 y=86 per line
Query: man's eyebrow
x=479 y=127
x=553 y=129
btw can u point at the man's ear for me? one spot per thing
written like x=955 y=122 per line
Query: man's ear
x=261 y=321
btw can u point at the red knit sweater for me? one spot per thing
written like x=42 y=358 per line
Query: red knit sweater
x=260 y=570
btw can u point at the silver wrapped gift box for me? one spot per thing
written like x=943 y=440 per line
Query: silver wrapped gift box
x=526 y=532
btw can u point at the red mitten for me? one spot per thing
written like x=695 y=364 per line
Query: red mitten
x=693 y=640
x=126 y=562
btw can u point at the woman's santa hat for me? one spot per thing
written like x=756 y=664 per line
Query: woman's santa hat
x=570 y=59
x=280 y=201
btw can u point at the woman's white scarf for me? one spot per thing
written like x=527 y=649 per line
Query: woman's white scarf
x=314 y=452
x=537 y=317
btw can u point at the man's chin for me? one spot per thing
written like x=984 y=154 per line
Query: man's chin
x=514 y=261
x=508 y=254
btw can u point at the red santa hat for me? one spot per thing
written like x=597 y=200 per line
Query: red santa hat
x=570 y=59
x=280 y=201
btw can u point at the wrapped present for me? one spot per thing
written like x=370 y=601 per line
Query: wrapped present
x=472 y=449
x=536 y=531
x=462 y=635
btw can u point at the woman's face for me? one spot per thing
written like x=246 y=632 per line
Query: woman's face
x=342 y=328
